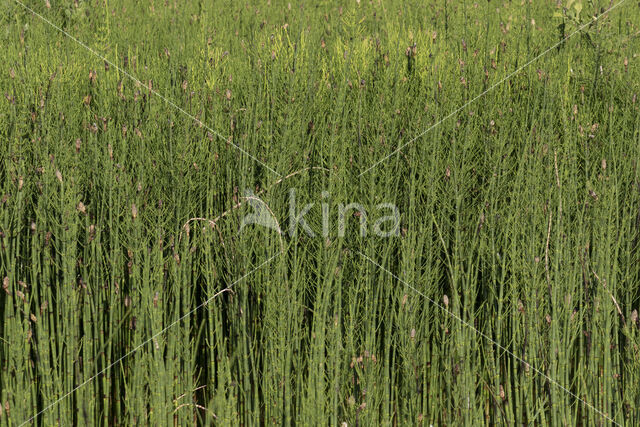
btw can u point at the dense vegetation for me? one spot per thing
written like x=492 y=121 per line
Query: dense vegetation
x=509 y=296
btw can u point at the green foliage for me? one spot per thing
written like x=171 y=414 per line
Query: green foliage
x=573 y=19
x=519 y=214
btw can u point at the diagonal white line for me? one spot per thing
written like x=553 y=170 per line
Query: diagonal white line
x=148 y=340
x=159 y=95
x=495 y=85
x=492 y=341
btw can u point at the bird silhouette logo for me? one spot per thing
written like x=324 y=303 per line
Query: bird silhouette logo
x=261 y=214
